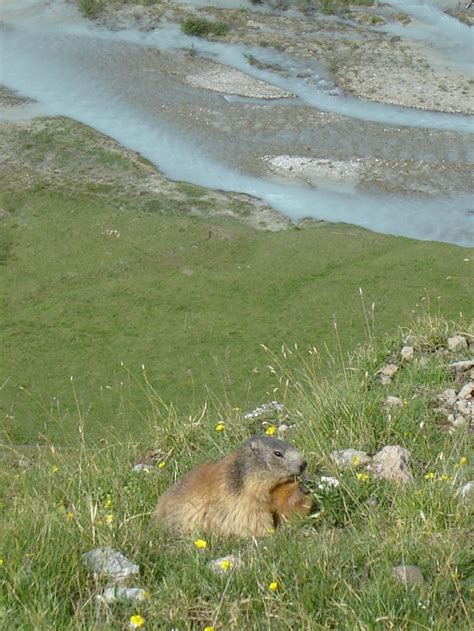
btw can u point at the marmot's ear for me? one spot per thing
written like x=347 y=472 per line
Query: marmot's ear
x=254 y=446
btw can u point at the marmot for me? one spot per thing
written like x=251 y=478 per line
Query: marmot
x=247 y=493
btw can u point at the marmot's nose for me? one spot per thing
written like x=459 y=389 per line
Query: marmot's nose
x=303 y=466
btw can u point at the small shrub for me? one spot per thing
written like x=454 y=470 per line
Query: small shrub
x=90 y=8
x=201 y=27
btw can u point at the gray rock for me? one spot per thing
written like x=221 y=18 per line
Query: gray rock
x=457 y=420
x=465 y=408
x=385 y=380
x=466 y=492
x=448 y=396
x=113 y=594
x=462 y=366
x=457 y=343
x=391 y=402
x=407 y=353
x=223 y=565
x=110 y=564
x=409 y=575
x=393 y=463
x=350 y=458
x=143 y=468
x=282 y=430
x=467 y=391
x=389 y=370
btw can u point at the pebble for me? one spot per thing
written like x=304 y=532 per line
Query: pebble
x=389 y=370
x=457 y=343
x=409 y=575
x=463 y=365
x=113 y=594
x=391 y=402
x=393 y=463
x=350 y=458
x=143 y=468
x=466 y=492
x=110 y=564
x=467 y=391
x=407 y=353
x=225 y=564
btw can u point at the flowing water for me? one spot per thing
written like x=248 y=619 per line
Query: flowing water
x=122 y=83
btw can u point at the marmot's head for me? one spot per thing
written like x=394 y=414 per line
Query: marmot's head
x=278 y=458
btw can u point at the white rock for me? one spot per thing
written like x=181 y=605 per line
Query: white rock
x=459 y=421
x=465 y=408
x=409 y=575
x=385 y=380
x=282 y=430
x=393 y=463
x=389 y=370
x=448 y=396
x=466 y=492
x=225 y=564
x=133 y=594
x=143 y=468
x=457 y=343
x=110 y=564
x=349 y=458
x=253 y=24
x=467 y=391
x=462 y=366
x=391 y=402
x=407 y=353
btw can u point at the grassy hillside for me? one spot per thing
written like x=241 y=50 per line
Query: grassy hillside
x=105 y=269
x=332 y=570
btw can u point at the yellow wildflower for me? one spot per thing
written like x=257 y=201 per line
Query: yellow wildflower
x=226 y=564
x=430 y=475
x=136 y=621
x=69 y=516
x=273 y=586
x=270 y=531
x=1 y=562
x=443 y=478
x=54 y=468
x=108 y=503
x=208 y=629
x=271 y=429
x=109 y=518
x=161 y=464
x=462 y=461
x=219 y=427
x=363 y=477
x=200 y=544
x=355 y=460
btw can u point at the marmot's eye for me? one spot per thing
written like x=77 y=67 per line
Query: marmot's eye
x=278 y=453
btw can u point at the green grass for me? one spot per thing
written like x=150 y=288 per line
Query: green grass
x=90 y=8
x=192 y=298
x=202 y=27
x=103 y=271
x=333 y=570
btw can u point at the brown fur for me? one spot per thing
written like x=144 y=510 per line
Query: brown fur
x=247 y=493
x=290 y=499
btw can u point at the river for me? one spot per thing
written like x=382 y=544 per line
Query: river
x=128 y=84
